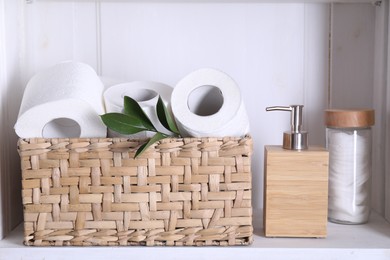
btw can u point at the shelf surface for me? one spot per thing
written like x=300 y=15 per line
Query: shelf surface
x=377 y=2
x=368 y=241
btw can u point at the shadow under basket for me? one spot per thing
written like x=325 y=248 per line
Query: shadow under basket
x=180 y=192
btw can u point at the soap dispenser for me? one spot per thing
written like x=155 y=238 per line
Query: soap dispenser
x=295 y=183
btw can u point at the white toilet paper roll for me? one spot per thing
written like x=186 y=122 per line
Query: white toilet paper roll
x=207 y=102
x=146 y=94
x=62 y=101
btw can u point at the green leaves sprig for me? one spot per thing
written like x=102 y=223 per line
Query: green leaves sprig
x=134 y=120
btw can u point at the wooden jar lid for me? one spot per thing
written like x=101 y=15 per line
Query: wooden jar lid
x=349 y=118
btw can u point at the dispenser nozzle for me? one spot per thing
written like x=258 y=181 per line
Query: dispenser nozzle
x=296 y=139
x=296 y=115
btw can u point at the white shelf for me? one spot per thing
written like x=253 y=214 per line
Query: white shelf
x=369 y=241
x=224 y=1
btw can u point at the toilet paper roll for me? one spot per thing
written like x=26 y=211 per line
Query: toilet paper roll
x=64 y=100
x=146 y=94
x=207 y=102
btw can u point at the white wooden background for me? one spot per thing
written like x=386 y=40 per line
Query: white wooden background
x=319 y=55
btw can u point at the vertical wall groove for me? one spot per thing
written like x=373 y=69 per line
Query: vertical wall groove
x=379 y=104
x=305 y=60
x=387 y=121
x=331 y=6
x=99 y=65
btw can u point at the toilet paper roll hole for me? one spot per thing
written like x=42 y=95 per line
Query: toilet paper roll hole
x=205 y=100
x=61 y=128
x=141 y=95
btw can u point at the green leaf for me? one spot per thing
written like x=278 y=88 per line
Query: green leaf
x=165 y=117
x=157 y=137
x=123 y=124
x=132 y=108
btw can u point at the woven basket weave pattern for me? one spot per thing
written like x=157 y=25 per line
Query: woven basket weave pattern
x=181 y=191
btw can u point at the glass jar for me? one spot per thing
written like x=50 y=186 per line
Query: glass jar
x=349 y=142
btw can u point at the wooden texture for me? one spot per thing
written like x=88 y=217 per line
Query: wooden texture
x=295 y=192
x=187 y=191
x=349 y=117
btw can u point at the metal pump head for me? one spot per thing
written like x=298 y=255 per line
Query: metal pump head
x=296 y=138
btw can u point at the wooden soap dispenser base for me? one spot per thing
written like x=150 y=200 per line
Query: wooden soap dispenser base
x=295 y=184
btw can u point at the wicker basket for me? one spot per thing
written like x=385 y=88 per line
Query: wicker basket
x=187 y=191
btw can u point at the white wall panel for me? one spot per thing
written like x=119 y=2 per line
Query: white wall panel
x=85 y=36
x=353 y=36
x=59 y=31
